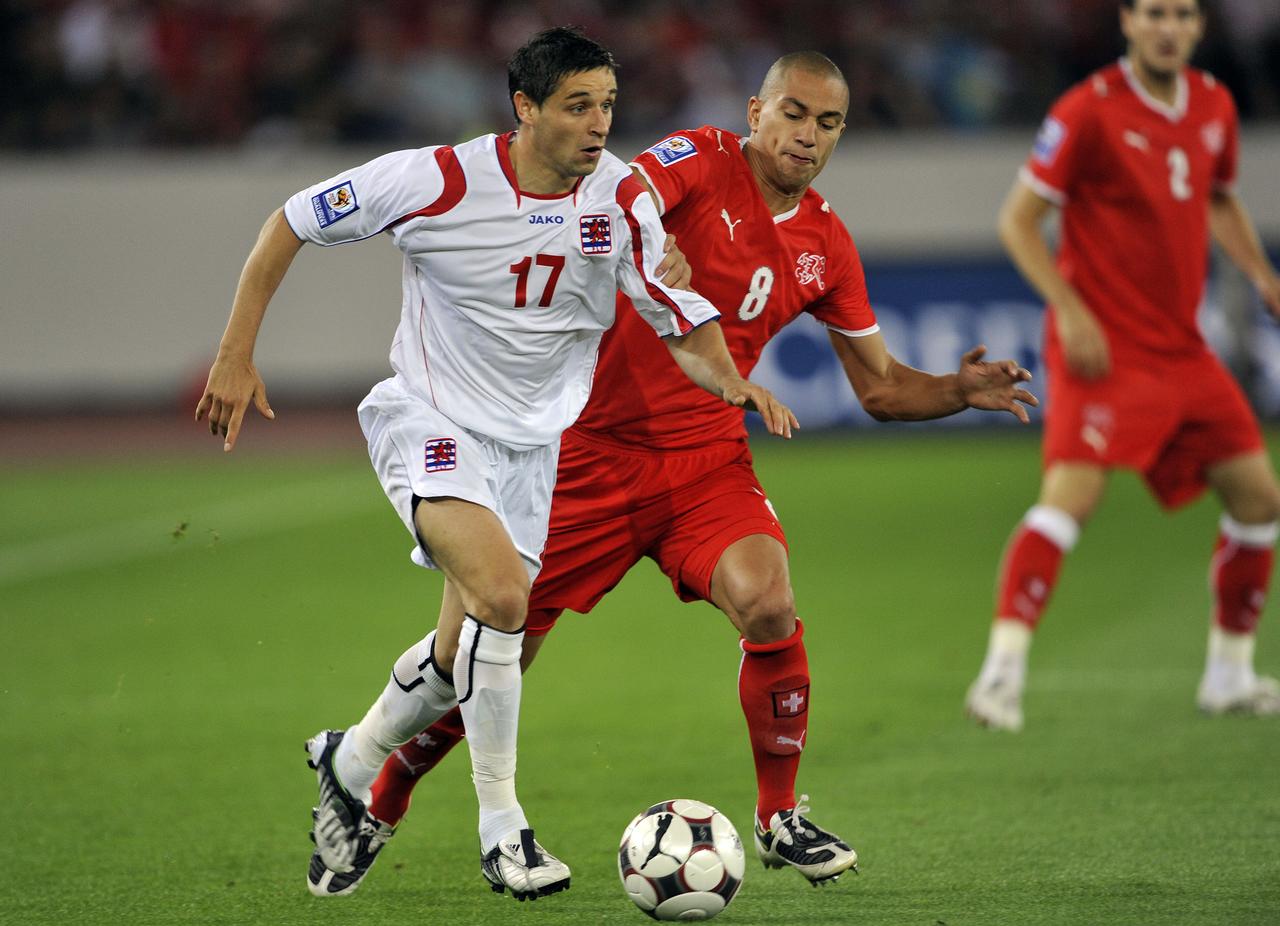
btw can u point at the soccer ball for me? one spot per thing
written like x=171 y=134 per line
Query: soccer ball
x=681 y=860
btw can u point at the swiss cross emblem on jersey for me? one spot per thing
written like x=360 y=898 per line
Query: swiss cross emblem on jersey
x=596 y=233
x=440 y=454
x=810 y=268
x=792 y=702
x=1213 y=135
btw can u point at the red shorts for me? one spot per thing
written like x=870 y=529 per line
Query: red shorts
x=1169 y=421
x=615 y=505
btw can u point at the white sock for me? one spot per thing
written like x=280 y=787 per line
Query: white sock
x=1007 y=650
x=487 y=674
x=415 y=698
x=1229 y=661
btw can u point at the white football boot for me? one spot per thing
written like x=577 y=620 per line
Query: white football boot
x=994 y=700
x=338 y=814
x=519 y=863
x=1229 y=684
x=792 y=841
x=323 y=881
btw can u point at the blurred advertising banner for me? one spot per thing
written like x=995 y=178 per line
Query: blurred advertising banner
x=932 y=312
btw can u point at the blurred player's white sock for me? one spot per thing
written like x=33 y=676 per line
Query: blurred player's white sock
x=1006 y=658
x=1229 y=662
x=415 y=698
x=487 y=673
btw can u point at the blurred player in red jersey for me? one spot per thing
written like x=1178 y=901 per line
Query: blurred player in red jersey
x=651 y=471
x=1140 y=158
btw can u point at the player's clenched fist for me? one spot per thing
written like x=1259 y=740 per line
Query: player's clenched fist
x=233 y=383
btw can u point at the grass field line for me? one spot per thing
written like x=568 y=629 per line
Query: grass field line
x=226 y=521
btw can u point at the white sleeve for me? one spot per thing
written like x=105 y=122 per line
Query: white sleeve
x=668 y=311
x=365 y=200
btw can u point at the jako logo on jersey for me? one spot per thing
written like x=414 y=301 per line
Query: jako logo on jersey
x=810 y=268
x=1048 y=140
x=596 y=234
x=673 y=149
x=334 y=203
x=440 y=454
x=546 y=220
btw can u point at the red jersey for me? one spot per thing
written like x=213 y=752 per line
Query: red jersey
x=1133 y=177
x=759 y=270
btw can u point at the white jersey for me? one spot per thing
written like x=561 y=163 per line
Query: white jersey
x=506 y=294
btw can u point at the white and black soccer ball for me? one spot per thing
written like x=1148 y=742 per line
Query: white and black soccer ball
x=681 y=860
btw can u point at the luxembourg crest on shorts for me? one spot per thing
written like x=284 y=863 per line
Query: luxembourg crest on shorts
x=596 y=233
x=440 y=454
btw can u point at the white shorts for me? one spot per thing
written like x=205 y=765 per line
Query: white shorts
x=418 y=451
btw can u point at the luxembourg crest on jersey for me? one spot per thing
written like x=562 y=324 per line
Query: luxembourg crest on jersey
x=334 y=203
x=596 y=233
x=440 y=454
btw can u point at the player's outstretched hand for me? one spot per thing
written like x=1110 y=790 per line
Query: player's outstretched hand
x=778 y=419
x=993 y=384
x=674 y=270
x=233 y=383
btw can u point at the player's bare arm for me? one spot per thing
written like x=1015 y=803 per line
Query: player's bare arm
x=1021 y=227
x=233 y=379
x=1235 y=232
x=704 y=357
x=892 y=391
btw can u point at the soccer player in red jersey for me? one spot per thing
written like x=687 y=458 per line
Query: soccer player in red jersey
x=1140 y=159
x=651 y=471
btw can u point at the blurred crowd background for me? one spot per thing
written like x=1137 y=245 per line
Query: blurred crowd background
x=103 y=74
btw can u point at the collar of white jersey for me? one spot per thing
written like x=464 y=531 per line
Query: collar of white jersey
x=1172 y=113
x=502 y=148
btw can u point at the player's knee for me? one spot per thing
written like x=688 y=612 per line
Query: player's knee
x=503 y=605
x=767 y=613
x=1254 y=504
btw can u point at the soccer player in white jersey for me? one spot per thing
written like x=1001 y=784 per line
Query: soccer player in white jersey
x=514 y=248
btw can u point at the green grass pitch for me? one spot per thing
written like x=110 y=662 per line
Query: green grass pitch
x=173 y=631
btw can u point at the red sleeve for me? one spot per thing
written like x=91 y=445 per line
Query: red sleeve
x=1224 y=169
x=1060 y=151
x=844 y=304
x=674 y=166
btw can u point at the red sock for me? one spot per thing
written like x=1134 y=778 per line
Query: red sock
x=401 y=772
x=1239 y=574
x=1028 y=573
x=773 y=685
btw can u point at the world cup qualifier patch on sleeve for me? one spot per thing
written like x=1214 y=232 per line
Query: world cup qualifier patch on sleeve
x=335 y=203
x=1048 y=140
x=675 y=148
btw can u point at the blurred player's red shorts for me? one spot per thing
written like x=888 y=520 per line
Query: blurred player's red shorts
x=1169 y=420
x=614 y=505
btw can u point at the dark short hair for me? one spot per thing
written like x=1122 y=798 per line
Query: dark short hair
x=1129 y=4
x=538 y=66
x=815 y=62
